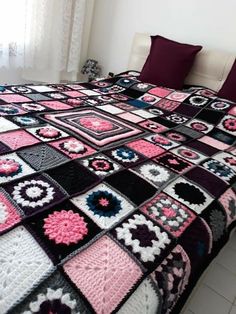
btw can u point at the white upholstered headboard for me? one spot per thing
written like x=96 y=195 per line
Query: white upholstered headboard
x=210 y=68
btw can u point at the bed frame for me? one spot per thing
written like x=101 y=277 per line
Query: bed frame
x=210 y=68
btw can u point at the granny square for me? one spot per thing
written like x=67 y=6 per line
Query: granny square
x=143 y=238
x=153 y=126
x=99 y=128
x=7 y=125
x=18 y=139
x=227 y=159
x=132 y=186
x=47 y=133
x=178 y=96
x=125 y=156
x=219 y=169
x=87 y=271
x=103 y=205
x=172 y=215
x=189 y=154
x=228 y=124
x=174 y=269
x=73 y=147
x=189 y=194
x=42 y=88
x=55 y=105
x=154 y=173
x=9 y=110
x=173 y=162
x=14 y=98
x=146 y=148
x=32 y=107
x=42 y=157
x=25 y=120
x=200 y=126
x=101 y=165
x=228 y=201
x=73 y=177
x=13 y=167
x=9 y=214
x=23 y=265
x=54 y=294
x=146 y=296
x=63 y=229
x=35 y=193
x=162 y=141
x=167 y=104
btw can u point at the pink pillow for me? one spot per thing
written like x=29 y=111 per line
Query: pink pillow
x=168 y=63
x=228 y=90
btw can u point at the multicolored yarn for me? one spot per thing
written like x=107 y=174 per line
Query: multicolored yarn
x=113 y=194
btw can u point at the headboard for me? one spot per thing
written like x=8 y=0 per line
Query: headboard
x=210 y=69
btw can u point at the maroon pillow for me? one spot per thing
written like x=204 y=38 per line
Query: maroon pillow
x=168 y=63
x=228 y=90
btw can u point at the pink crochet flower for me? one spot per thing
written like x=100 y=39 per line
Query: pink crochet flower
x=65 y=227
x=199 y=126
x=96 y=124
x=160 y=140
x=9 y=167
x=48 y=132
x=230 y=124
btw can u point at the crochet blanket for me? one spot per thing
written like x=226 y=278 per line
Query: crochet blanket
x=115 y=194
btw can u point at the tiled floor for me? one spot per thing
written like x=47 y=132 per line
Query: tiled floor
x=216 y=290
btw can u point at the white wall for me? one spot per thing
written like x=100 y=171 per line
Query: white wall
x=211 y=23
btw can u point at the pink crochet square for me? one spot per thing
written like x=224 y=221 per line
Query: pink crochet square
x=74 y=94
x=56 y=105
x=9 y=216
x=17 y=139
x=130 y=117
x=11 y=98
x=73 y=148
x=147 y=149
x=228 y=201
x=104 y=273
x=160 y=92
x=213 y=142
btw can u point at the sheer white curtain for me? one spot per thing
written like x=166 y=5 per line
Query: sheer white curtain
x=43 y=37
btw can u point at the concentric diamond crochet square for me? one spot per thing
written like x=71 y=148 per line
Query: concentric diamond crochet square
x=104 y=273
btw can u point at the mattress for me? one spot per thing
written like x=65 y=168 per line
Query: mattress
x=115 y=194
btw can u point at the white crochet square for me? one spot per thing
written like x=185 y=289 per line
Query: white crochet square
x=6 y=125
x=146 y=299
x=42 y=88
x=23 y=264
x=103 y=205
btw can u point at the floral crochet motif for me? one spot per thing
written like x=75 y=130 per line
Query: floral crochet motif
x=48 y=132
x=103 y=203
x=54 y=301
x=65 y=227
x=9 y=167
x=96 y=124
x=33 y=193
x=73 y=146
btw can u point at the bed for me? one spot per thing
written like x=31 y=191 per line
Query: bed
x=115 y=194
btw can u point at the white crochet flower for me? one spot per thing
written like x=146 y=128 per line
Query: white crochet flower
x=28 y=193
x=3 y=213
x=51 y=295
x=74 y=146
x=154 y=173
x=147 y=253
